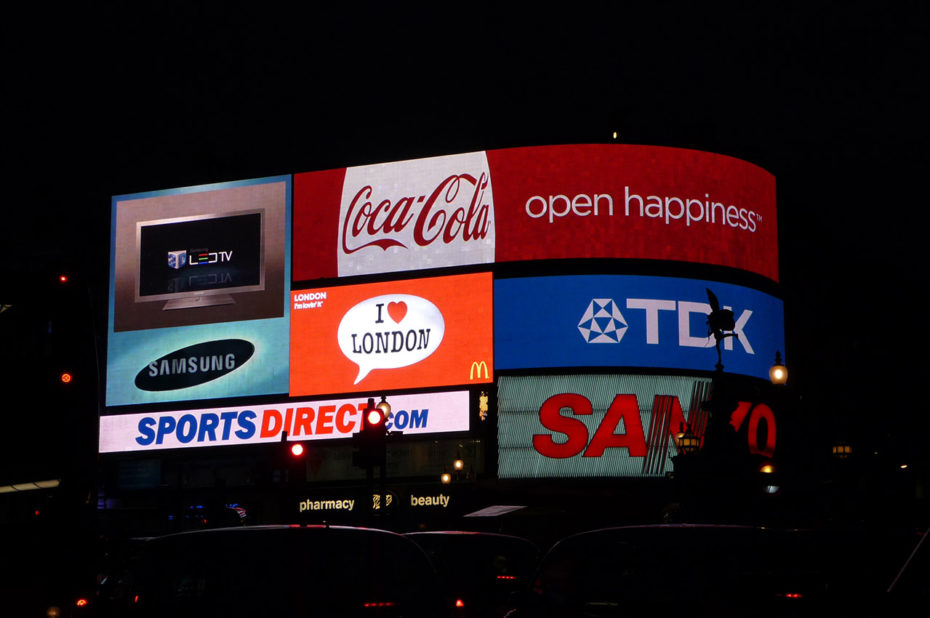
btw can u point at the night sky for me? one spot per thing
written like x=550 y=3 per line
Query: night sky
x=832 y=100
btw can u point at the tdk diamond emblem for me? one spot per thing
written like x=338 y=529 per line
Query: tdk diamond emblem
x=177 y=259
x=602 y=322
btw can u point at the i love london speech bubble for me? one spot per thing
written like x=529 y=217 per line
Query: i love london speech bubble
x=390 y=331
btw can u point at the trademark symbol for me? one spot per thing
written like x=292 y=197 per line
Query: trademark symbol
x=758 y=217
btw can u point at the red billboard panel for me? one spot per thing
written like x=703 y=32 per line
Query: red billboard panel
x=586 y=201
x=392 y=335
x=634 y=202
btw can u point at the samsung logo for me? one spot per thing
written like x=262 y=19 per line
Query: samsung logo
x=194 y=365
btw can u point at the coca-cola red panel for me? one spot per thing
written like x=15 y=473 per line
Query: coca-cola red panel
x=316 y=224
x=546 y=202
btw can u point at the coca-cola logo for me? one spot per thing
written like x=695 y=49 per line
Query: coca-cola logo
x=456 y=209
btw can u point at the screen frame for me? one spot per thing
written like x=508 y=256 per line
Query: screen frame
x=259 y=287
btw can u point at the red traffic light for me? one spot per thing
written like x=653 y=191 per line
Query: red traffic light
x=374 y=420
x=66 y=377
x=375 y=417
x=297 y=449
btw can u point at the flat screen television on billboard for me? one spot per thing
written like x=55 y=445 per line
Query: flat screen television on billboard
x=200 y=261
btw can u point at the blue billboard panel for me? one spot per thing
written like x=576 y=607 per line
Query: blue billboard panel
x=631 y=321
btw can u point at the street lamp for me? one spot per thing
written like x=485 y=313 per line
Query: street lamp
x=686 y=442
x=778 y=373
x=385 y=407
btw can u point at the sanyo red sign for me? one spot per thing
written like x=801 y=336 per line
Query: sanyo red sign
x=624 y=201
x=600 y=425
x=621 y=426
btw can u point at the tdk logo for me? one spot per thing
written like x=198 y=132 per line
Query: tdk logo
x=197 y=257
x=602 y=322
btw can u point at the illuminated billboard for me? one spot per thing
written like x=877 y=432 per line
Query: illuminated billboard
x=198 y=303
x=312 y=285
x=546 y=202
x=608 y=425
x=631 y=321
x=396 y=334
x=261 y=423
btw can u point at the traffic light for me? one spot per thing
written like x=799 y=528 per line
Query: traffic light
x=374 y=421
x=292 y=450
x=371 y=438
x=292 y=460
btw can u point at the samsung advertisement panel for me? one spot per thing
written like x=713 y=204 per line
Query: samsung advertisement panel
x=302 y=420
x=631 y=321
x=609 y=425
x=547 y=202
x=198 y=294
x=392 y=335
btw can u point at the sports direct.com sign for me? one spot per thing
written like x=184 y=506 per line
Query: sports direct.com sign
x=586 y=201
x=302 y=420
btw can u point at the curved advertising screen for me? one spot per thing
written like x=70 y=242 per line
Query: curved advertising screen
x=546 y=202
x=412 y=276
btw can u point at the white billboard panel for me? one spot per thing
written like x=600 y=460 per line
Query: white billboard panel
x=302 y=420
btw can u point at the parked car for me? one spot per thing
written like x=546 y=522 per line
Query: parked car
x=274 y=571
x=690 y=570
x=480 y=572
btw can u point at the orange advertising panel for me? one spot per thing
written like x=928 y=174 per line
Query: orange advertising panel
x=392 y=335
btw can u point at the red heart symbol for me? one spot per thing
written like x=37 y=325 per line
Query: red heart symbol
x=397 y=311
